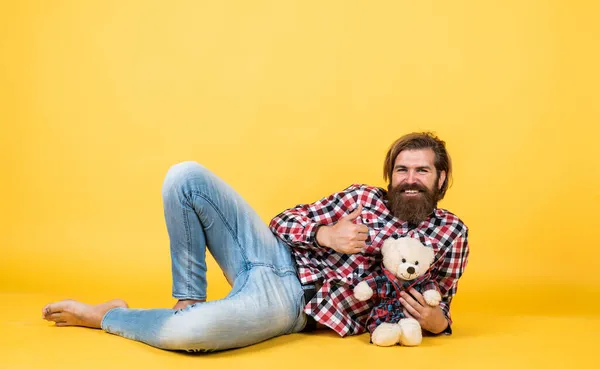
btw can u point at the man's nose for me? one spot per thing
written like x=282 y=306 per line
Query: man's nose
x=411 y=178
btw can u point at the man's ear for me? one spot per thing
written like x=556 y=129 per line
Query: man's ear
x=441 y=179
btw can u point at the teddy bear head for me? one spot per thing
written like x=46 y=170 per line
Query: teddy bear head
x=406 y=257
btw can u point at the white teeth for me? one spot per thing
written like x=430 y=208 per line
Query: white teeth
x=411 y=191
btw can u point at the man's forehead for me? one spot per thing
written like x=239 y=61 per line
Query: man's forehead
x=415 y=158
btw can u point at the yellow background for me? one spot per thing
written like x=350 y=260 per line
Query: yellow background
x=289 y=101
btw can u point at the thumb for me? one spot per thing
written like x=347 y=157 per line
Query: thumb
x=354 y=214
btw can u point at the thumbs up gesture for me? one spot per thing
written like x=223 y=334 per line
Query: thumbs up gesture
x=345 y=236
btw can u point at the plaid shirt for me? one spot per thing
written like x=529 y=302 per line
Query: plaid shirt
x=334 y=304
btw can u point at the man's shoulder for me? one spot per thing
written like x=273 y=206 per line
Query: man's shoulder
x=364 y=188
x=368 y=196
x=445 y=217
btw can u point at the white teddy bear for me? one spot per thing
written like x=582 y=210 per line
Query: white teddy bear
x=404 y=259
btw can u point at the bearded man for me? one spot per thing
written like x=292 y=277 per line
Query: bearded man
x=297 y=274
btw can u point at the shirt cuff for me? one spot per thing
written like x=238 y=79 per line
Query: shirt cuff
x=312 y=233
x=448 y=329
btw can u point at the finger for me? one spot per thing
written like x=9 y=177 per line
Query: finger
x=46 y=311
x=407 y=314
x=56 y=307
x=351 y=248
x=352 y=216
x=55 y=317
x=361 y=228
x=411 y=310
x=418 y=296
x=361 y=237
x=411 y=301
x=359 y=245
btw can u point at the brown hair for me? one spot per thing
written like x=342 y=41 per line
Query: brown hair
x=417 y=141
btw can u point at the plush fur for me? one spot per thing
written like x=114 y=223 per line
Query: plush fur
x=405 y=259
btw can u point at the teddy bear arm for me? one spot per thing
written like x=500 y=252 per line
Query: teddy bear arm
x=432 y=297
x=362 y=291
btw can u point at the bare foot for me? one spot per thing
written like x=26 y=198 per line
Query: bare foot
x=182 y=304
x=75 y=313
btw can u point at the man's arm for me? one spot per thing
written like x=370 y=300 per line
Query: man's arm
x=325 y=223
x=437 y=319
x=450 y=271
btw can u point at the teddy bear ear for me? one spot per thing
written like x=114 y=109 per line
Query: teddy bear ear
x=430 y=255
x=386 y=246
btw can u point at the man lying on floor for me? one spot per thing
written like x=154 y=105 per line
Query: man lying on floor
x=298 y=273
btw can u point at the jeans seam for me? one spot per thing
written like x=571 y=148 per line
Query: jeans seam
x=188 y=236
x=299 y=309
x=279 y=271
x=227 y=225
x=188 y=297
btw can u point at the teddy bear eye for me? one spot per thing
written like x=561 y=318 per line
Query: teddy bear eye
x=403 y=260
x=416 y=263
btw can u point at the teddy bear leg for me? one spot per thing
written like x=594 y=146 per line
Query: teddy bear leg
x=386 y=334
x=411 y=334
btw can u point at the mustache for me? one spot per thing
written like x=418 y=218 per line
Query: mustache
x=412 y=187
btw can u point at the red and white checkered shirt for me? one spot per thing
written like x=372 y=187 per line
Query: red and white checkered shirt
x=334 y=304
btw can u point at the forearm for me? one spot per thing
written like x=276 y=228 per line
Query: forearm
x=295 y=227
x=322 y=235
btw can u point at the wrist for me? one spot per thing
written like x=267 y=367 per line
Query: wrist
x=321 y=236
x=441 y=324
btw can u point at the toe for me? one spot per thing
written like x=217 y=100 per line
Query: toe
x=57 y=307
x=55 y=317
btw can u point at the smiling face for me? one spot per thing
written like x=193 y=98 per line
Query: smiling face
x=414 y=186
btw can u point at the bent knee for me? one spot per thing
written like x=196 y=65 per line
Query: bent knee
x=179 y=174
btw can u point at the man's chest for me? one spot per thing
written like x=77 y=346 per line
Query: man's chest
x=382 y=226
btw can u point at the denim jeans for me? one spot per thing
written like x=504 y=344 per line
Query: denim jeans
x=266 y=299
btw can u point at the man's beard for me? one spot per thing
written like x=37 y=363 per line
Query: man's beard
x=413 y=209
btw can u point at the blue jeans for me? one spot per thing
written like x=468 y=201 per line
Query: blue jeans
x=266 y=299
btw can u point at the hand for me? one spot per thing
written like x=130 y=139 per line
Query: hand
x=345 y=236
x=431 y=318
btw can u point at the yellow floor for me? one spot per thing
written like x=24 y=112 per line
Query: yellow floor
x=480 y=341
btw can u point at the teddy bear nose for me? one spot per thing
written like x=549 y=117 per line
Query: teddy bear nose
x=410 y=270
